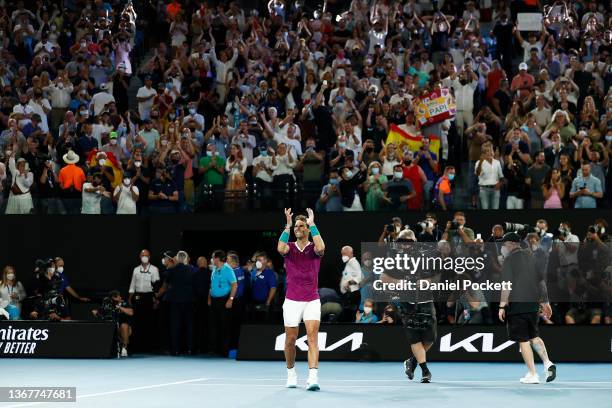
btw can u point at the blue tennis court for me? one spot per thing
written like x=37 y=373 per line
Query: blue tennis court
x=153 y=381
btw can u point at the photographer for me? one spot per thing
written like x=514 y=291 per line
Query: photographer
x=456 y=232
x=428 y=229
x=390 y=231
x=589 y=284
x=116 y=309
x=48 y=302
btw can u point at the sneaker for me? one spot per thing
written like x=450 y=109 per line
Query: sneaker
x=530 y=379
x=124 y=352
x=409 y=367
x=312 y=384
x=426 y=378
x=291 y=378
x=551 y=373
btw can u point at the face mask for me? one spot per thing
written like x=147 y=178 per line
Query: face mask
x=345 y=258
x=102 y=162
x=535 y=247
x=342 y=145
x=113 y=142
x=608 y=138
x=209 y=153
x=137 y=164
x=10 y=276
x=367 y=263
x=375 y=170
x=398 y=174
x=349 y=174
x=84 y=113
x=192 y=111
x=505 y=251
x=451 y=177
x=50 y=270
x=163 y=261
x=367 y=310
x=144 y=259
x=263 y=153
x=126 y=182
x=172 y=116
x=60 y=269
x=333 y=181
x=164 y=142
x=258 y=265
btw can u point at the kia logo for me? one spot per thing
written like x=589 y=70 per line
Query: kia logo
x=356 y=339
x=466 y=344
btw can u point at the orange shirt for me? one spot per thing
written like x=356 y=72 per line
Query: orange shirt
x=71 y=175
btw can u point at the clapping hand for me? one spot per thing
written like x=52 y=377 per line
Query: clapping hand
x=289 y=216
x=310 y=219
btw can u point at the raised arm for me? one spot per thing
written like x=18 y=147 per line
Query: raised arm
x=316 y=236
x=283 y=241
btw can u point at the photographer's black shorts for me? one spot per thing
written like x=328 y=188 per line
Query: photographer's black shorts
x=421 y=335
x=123 y=318
x=522 y=327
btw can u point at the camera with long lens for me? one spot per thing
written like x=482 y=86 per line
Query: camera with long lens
x=108 y=310
x=422 y=226
x=53 y=302
x=521 y=229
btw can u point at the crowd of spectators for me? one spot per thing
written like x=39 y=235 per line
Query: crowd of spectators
x=291 y=103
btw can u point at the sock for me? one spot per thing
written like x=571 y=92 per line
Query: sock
x=313 y=373
x=424 y=367
x=548 y=364
x=291 y=371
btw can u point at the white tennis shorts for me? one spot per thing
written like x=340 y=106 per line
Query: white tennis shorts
x=294 y=312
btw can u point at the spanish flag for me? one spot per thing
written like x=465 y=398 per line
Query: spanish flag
x=400 y=137
x=111 y=161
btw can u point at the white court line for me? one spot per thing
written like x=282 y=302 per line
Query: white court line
x=402 y=380
x=144 y=387
x=325 y=386
x=526 y=387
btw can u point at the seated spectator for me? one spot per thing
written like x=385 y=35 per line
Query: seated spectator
x=367 y=316
x=12 y=292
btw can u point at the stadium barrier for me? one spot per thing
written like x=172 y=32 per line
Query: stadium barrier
x=375 y=342
x=67 y=339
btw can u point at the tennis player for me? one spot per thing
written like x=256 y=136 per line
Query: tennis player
x=302 y=262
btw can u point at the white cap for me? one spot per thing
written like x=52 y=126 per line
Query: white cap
x=523 y=66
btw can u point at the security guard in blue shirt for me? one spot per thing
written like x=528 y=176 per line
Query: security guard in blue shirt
x=223 y=289
x=263 y=287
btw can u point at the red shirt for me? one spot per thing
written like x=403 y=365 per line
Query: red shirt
x=413 y=174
